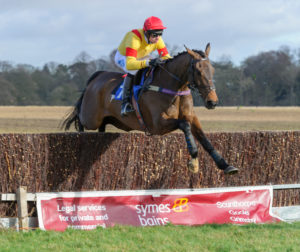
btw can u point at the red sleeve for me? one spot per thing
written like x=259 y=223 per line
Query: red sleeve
x=131 y=52
x=163 y=51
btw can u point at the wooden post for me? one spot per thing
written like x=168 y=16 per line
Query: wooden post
x=22 y=208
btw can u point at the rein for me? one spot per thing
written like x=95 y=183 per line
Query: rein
x=191 y=77
x=171 y=74
x=165 y=90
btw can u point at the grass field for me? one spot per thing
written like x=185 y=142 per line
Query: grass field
x=43 y=119
x=267 y=237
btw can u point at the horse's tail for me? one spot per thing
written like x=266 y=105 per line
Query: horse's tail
x=73 y=117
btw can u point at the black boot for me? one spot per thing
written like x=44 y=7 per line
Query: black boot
x=126 y=106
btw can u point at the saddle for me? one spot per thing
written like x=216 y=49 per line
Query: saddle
x=141 y=83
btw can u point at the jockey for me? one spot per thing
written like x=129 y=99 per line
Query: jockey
x=133 y=54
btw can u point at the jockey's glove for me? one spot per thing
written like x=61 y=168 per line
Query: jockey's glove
x=155 y=62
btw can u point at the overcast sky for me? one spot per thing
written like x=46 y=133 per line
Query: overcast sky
x=40 y=31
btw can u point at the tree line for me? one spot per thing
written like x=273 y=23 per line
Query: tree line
x=270 y=78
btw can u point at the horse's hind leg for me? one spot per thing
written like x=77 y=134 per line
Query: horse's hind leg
x=80 y=127
x=102 y=127
x=91 y=113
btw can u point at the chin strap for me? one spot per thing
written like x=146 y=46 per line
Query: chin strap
x=147 y=38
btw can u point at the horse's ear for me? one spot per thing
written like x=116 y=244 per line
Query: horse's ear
x=207 y=49
x=192 y=53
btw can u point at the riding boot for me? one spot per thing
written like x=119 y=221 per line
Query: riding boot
x=126 y=106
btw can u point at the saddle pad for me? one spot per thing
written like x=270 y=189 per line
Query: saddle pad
x=117 y=92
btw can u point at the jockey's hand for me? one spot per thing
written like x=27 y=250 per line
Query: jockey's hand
x=155 y=62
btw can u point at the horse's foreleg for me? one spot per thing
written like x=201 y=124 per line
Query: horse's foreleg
x=219 y=160
x=193 y=164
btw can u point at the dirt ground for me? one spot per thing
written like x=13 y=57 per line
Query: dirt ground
x=47 y=119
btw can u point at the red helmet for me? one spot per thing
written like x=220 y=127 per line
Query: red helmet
x=153 y=23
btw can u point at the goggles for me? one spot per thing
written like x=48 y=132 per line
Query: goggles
x=155 y=33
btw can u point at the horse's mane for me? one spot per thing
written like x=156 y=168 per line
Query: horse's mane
x=202 y=54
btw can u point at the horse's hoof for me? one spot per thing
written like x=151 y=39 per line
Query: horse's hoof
x=193 y=165
x=230 y=170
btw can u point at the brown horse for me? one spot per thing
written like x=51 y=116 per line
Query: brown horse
x=162 y=112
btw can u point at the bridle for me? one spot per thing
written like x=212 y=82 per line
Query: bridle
x=206 y=89
x=191 y=78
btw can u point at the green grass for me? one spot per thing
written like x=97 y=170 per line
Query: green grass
x=267 y=237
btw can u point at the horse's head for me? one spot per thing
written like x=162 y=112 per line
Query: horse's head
x=201 y=76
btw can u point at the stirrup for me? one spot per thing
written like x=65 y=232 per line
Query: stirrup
x=126 y=108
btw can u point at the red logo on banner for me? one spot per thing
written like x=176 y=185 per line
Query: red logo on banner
x=180 y=205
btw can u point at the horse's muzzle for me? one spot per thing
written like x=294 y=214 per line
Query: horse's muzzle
x=211 y=104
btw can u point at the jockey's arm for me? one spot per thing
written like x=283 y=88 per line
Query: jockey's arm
x=133 y=64
x=162 y=49
x=131 y=45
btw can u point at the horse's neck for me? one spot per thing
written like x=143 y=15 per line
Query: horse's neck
x=178 y=67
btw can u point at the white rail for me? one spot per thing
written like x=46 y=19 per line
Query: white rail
x=288 y=186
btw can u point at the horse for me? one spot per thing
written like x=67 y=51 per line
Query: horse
x=166 y=107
